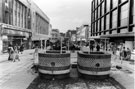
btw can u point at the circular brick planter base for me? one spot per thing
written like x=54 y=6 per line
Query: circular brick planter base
x=94 y=77
x=59 y=76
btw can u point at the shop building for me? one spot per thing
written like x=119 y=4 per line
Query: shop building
x=114 y=19
x=22 y=22
x=15 y=23
x=40 y=26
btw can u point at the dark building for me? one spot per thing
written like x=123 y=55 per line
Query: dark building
x=114 y=19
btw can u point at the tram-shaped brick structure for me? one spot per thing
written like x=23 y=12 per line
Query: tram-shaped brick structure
x=54 y=64
x=94 y=64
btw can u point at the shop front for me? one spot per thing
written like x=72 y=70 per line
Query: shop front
x=15 y=38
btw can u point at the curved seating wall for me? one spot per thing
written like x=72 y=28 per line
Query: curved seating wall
x=94 y=63
x=54 y=63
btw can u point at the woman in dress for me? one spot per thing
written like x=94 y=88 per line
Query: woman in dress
x=16 y=54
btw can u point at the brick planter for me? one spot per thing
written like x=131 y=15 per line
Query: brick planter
x=94 y=63
x=54 y=64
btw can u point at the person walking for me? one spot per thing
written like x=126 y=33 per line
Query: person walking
x=21 y=48
x=123 y=54
x=117 y=54
x=98 y=47
x=11 y=53
x=128 y=56
x=16 y=54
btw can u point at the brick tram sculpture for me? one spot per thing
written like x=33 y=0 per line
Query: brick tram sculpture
x=54 y=64
x=94 y=64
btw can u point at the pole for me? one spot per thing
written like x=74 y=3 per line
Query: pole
x=41 y=43
x=105 y=45
x=45 y=46
x=61 y=45
x=68 y=44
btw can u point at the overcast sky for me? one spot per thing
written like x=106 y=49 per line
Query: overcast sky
x=66 y=14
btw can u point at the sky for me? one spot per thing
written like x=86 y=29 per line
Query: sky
x=66 y=14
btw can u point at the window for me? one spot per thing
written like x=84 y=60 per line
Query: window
x=115 y=3
x=107 y=21
x=124 y=7
x=124 y=22
x=102 y=24
x=95 y=14
x=114 y=19
x=123 y=1
x=95 y=3
x=95 y=26
x=124 y=14
x=108 y=5
x=98 y=25
x=134 y=8
x=102 y=8
x=98 y=2
x=98 y=12
x=92 y=17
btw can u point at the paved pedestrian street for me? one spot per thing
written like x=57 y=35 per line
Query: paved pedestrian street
x=74 y=83
x=19 y=75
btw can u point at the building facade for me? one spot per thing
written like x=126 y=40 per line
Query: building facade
x=83 y=33
x=15 y=23
x=71 y=35
x=40 y=26
x=55 y=35
x=21 y=22
x=114 y=19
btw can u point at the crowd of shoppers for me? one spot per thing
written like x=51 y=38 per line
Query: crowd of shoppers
x=13 y=52
x=123 y=54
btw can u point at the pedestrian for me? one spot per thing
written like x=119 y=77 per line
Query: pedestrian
x=117 y=54
x=128 y=54
x=91 y=47
x=10 y=52
x=21 y=48
x=123 y=54
x=36 y=59
x=98 y=47
x=16 y=54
